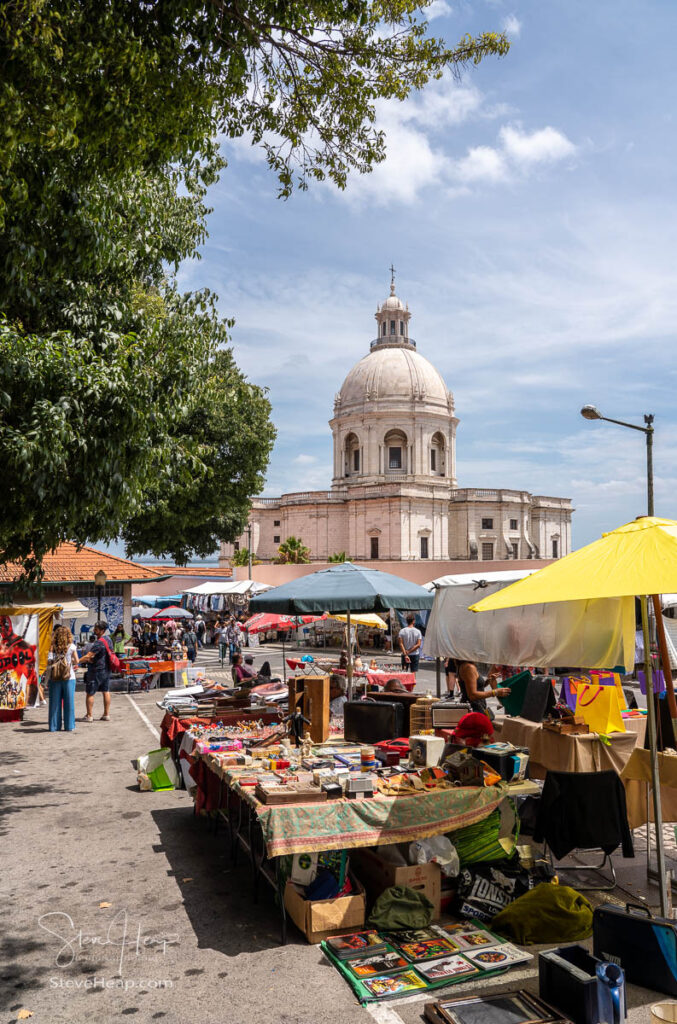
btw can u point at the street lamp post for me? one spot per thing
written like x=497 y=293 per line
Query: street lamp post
x=99 y=583
x=249 y=549
x=590 y=412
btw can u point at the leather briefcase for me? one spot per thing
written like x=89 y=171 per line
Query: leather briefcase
x=644 y=946
x=367 y=721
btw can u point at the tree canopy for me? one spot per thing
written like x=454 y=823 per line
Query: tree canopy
x=122 y=411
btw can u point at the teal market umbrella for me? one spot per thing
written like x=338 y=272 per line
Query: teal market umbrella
x=344 y=588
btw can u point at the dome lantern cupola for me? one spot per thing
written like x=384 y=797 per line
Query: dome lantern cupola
x=393 y=319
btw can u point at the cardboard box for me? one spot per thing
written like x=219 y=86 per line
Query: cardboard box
x=378 y=874
x=319 y=919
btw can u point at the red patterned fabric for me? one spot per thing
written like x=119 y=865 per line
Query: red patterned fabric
x=172 y=727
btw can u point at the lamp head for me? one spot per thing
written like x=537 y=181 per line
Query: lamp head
x=100 y=578
x=590 y=412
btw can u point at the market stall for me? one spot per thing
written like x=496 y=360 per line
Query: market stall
x=567 y=752
x=25 y=636
x=348 y=824
x=215 y=597
x=638 y=559
x=343 y=589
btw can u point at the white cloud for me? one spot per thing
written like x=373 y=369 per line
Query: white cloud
x=304 y=460
x=512 y=26
x=411 y=166
x=482 y=163
x=418 y=153
x=438 y=9
x=545 y=145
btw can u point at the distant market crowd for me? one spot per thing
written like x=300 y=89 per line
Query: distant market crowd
x=176 y=640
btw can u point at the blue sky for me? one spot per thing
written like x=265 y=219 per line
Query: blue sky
x=531 y=213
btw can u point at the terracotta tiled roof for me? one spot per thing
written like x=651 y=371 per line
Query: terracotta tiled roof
x=67 y=564
x=197 y=570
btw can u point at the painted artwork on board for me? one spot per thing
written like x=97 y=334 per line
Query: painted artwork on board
x=18 y=658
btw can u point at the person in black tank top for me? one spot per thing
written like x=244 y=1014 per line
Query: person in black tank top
x=473 y=686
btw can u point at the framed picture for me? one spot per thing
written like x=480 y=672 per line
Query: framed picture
x=503 y=1008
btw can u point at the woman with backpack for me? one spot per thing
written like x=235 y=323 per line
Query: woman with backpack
x=63 y=661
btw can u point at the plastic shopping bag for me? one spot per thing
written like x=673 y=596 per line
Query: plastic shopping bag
x=599 y=707
x=159 y=769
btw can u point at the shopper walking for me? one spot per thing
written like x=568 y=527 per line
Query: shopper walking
x=190 y=640
x=63 y=661
x=200 y=628
x=410 y=640
x=97 y=677
x=233 y=638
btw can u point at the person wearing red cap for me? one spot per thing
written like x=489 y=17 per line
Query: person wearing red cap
x=473 y=729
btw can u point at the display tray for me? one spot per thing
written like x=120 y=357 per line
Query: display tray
x=518 y=1007
x=291 y=793
x=415 y=978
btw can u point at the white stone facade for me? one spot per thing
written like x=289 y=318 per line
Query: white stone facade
x=394 y=493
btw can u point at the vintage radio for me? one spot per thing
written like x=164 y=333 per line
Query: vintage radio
x=447 y=714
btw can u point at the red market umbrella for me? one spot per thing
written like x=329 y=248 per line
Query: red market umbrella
x=265 y=621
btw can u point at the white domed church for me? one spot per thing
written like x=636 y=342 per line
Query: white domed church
x=394 y=494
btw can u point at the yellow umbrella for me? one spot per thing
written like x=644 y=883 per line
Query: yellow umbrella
x=637 y=559
x=368 y=619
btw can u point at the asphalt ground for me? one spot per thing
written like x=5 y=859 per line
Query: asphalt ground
x=119 y=905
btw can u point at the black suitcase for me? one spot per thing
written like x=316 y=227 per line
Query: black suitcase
x=367 y=721
x=644 y=946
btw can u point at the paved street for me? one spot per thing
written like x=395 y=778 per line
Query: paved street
x=77 y=833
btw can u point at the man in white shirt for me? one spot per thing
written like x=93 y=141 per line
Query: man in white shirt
x=410 y=640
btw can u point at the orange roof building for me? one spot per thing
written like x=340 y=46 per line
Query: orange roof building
x=69 y=572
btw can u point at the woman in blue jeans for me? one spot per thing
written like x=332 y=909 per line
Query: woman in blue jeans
x=63 y=659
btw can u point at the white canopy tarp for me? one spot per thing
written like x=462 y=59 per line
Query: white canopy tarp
x=226 y=587
x=571 y=634
x=72 y=608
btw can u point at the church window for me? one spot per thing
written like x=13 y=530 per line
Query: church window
x=384 y=328
x=373 y=544
x=424 y=547
x=515 y=549
x=395 y=458
x=356 y=460
x=433 y=459
x=555 y=549
x=487 y=551
x=276 y=539
x=392 y=326
x=513 y=524
x=487 y=524
x=401 y=326
x=276 y=522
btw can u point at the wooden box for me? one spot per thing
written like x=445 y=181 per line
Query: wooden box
x=311 y=695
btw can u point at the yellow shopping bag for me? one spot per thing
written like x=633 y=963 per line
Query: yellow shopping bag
x=600 y=708
x=611 y=679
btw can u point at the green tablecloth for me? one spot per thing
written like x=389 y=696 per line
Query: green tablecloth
x=347 y=824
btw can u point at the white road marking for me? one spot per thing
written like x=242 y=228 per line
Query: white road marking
x=144 y=718
x=383 y=1014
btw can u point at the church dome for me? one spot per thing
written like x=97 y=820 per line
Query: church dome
x=393 y=374
x=392 y=302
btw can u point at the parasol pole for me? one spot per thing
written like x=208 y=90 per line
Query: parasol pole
x=349 y=666
x=665 y=659
x=653 y=758
x=284 y=659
